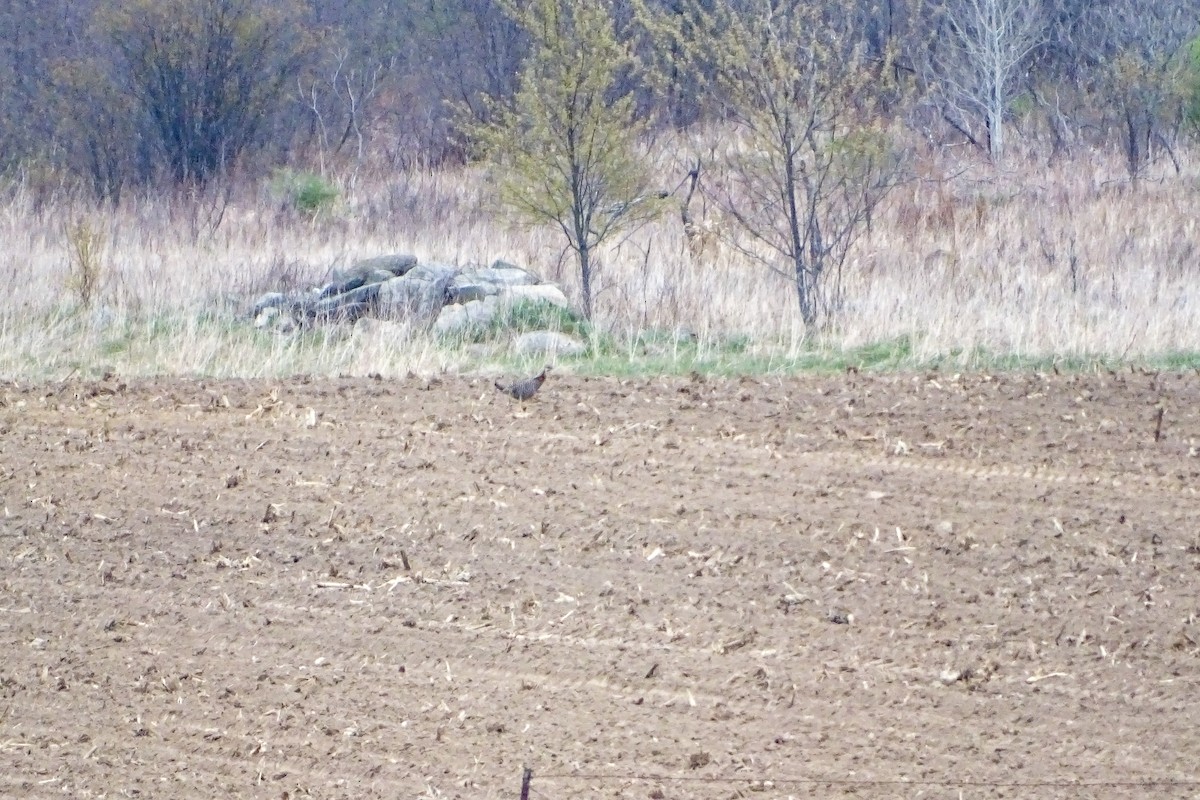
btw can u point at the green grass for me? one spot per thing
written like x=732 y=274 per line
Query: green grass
x=222 y=344
x=530 y=315
x=1178 y=362
x=659 y=353
x=306 y=192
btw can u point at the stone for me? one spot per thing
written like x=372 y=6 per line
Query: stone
x=476 y=313
x=466 y=292
x=336 y=309
x=346 y=306
x=268 y=300
x=550 y=343
x=399 y=287
x=546 y=292
x=397 y=265
x=468 y=286
x=482 y=312
x=419 y=295
x=379 y=276
x=506 y=275
x=432 y=272
x=355 y=279
x=452 y=319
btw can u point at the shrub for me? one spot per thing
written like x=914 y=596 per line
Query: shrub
x=85 y=267
x=305 y=192
x=1191 y=86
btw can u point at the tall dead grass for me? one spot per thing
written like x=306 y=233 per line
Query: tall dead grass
x=966 y=262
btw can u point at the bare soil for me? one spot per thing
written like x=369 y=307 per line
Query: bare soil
x=878 y=586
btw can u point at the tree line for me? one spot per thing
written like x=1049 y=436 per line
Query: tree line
x=129 y=92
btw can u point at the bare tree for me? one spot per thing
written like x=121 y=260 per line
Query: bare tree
x=35 y=37
x=342 y=104
x=813 y=154
x=206 y=75
x=976 y=54
x=1138 y=49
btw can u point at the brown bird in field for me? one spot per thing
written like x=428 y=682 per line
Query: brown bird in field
x=523 y=390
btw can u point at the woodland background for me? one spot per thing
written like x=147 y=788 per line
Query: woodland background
x=387 y=81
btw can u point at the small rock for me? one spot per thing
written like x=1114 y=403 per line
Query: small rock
x=507 y=275
x=265 y=317
x=949 y=676
x=268 y=300
x=452 y=319
x=544 y=292
x=840 y=616
x=548 y=343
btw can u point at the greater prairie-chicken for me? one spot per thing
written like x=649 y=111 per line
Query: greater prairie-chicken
x=524 y=389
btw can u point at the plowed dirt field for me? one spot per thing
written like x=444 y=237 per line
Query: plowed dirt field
x=875 y=586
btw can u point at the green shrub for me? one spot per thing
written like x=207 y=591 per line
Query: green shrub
x=305 y=192
x=1191 y=86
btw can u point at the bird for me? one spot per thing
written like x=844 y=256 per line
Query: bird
x=525 y=389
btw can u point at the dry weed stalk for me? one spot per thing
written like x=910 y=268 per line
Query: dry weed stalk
x=85 y=261
x=1034 y=261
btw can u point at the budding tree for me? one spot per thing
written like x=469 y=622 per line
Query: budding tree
x=811 y=154
x=564 y=151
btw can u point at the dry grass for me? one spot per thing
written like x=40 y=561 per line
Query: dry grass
x=966 y=263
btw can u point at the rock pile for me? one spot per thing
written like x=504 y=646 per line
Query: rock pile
x=401 y=288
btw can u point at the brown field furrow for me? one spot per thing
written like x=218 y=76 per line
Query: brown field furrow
x=357 y=588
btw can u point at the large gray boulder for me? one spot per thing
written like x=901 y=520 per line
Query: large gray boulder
x=346 y=306
x=398 y=264
x=418 y=295
x=368 y=271
x=400 y=288
x=458 y=318
x=543 y=292
x=505 y=274
x=467 y=287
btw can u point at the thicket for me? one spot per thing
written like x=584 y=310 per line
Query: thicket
x=131 y=92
